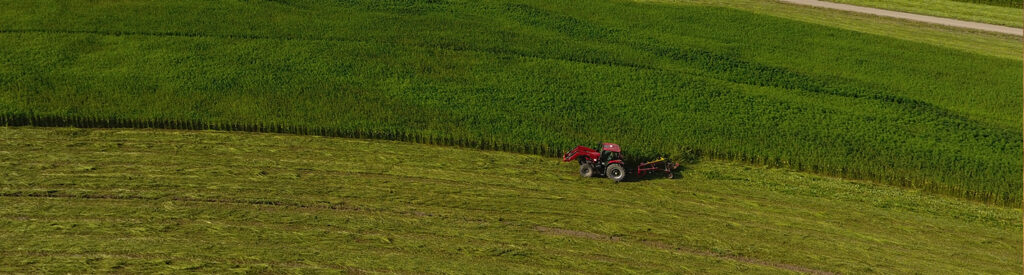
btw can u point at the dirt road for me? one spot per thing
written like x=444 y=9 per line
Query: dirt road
x=911 y=16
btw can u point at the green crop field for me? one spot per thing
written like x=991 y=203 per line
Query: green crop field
x=528 y=76
x=1000 y=12
x=142 y=201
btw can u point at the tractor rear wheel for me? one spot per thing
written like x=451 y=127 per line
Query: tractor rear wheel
x=616 y=172
x=586 y=170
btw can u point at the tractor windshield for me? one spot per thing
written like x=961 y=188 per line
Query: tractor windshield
x=607 y=155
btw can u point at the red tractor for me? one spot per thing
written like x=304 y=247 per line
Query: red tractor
x=608 y=162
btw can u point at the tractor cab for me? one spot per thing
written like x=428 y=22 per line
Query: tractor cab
x=609 y=152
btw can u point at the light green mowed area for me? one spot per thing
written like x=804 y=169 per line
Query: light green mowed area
x=1006 y=13
x=978 y=42
x=79 y=200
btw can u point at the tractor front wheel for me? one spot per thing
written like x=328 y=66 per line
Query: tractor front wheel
x=586 y=170
x=616 y=172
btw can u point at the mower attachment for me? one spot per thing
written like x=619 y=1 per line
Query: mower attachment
x=658 y=165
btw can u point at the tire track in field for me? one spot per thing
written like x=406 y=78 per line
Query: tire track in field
x=256 y=202
x=342 y=206
x=687 y=250
x=457 y=48
x=910 y=16
x=163 y=256
x=178 y=34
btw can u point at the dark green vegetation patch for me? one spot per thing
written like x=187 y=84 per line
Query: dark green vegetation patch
x=1001 y=3
x=530 y=76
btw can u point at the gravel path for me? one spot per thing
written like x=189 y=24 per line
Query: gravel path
x=911 y=16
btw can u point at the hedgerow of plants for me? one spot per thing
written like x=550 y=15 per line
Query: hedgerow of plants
x=527 y=76
x=1001 y=3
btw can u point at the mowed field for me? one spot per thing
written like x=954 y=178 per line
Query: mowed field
x=687 y=81
x=119 y=200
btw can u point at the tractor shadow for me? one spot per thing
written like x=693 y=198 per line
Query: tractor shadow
x=675 y=174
